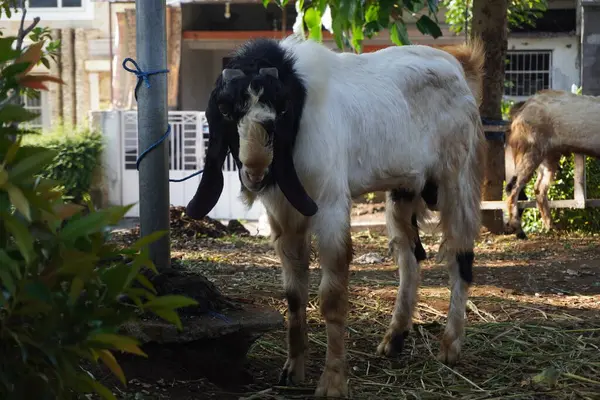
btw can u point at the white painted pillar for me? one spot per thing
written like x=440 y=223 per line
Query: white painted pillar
x=94 y=79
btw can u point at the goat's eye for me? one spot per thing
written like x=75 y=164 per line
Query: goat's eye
x=224 y=109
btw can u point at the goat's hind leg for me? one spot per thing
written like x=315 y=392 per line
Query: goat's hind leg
x=460 y=220
x=293 y=248
x=407 y=250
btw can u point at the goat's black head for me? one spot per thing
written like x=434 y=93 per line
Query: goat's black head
x=252 y=115
x=254 y=104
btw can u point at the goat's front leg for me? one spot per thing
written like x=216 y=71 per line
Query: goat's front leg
x=546 y=173
x=293 y=248
x=335 y=254
x=524 y=170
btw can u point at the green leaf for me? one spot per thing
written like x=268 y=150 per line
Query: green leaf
x=146 y=283
x=7 y=261
x=15 y=69
x=23 y=237
x=6 y=49
x=313 y=22
x=428 y=27
x=102 y=390
x=29 y=166
x=169 y=316
x=46 y=62
x=76 y=288
x=357 y=38
x=399 y=34
x=12 y=151
x=146 y=240
x=372 y=13
x=170 y=302
x=84 y=226
x=7 y=279
x=16 y=113
x=433 y=6
x=38 y=291
x=414 y=6
x=548 y=377
x=322 y=5
x=337 y=26
x=110 y=361
x=265 y=3
x=119 y=342
x=18 y=200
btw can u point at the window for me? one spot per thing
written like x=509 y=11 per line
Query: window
x=55 y=3
x=57 y=10
x=35 y=105
x=528 y=72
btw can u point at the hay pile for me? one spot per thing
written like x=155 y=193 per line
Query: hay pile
x=501 y=360
x=182 y=225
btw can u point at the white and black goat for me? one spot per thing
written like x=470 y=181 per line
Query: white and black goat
x=310 y=129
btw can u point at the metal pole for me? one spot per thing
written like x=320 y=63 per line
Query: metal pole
x=151 y=43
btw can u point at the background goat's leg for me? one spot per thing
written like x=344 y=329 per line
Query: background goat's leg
x=546 y=173
x=293 y=248
x=524 y=170
x=404 y=241
x=335 y=254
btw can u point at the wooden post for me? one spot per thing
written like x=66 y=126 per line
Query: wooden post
x=490 y=25
x=579 y=184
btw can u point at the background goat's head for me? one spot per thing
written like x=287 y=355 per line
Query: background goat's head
x=249 y=115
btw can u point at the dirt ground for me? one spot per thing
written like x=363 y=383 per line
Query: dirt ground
x=533 y=322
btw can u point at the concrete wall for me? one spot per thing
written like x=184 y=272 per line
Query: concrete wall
x=199 y=70
x=590 y=44
x=565 y=57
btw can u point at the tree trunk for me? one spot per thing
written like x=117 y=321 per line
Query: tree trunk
x=490 y=24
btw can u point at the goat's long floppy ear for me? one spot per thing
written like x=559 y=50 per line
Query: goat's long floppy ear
x=287 y=178
x=211 y=185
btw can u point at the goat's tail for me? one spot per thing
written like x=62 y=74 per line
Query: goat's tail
x=472 y=57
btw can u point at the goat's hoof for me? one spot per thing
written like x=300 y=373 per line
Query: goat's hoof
x=292 y=372
x=449 y=351
x=333 y=382
x=392 y=344
x=521 y=235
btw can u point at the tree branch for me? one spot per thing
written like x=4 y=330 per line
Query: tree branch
x=23 y=32
x=14 y=98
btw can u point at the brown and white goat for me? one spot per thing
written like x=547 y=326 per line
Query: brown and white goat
x=548 y=125
x=304 y=122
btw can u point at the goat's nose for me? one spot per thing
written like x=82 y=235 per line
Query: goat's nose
x=254 y=177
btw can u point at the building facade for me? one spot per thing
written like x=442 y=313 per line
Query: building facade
x=98 y=35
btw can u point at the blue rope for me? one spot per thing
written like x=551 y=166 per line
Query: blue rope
x=143 y=76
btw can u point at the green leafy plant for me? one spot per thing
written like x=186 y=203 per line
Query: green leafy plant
x=352 y=21
x=521 y=13
x=77 y=160
x=65 y=291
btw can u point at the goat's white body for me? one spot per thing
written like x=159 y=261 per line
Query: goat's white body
x=374 y=122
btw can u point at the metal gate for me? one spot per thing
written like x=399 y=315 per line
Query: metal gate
x=187 y=148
